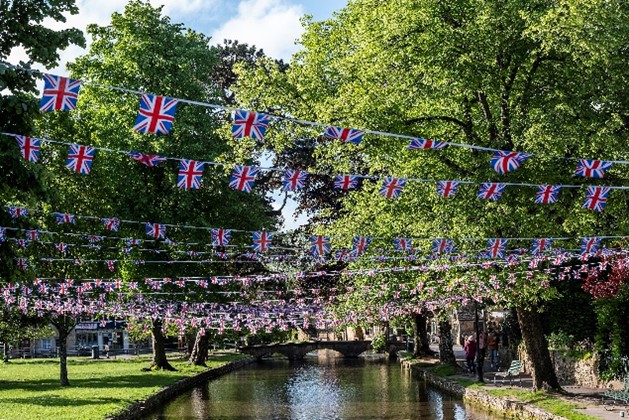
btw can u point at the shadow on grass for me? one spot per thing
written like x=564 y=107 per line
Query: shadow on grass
x=56 y=401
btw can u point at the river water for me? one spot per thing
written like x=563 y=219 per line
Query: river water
x=323 y=387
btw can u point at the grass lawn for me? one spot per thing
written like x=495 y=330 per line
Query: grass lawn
x=543 y=400
x=29 y=389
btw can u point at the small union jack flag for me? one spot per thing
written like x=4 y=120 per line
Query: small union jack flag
x=293 y=180
x=496 y=247
x=503 y=162
x=392 y=187
x=221 y=237
x=29 y=147
x=348 y=135
x=60 y=93
x=540 y=245
x=62 y=218
x=319 y=245
x=80 y=158
x=596 y=198
x=61 y=247
x=547 y=194
x=402 y=244
x=155 y=230
x=16 y=212
x=156 y=114
x=148 y=160
x=111 y=266
x=447 y=189
x=346 y=182
x=262 y=241
x=491 y=190
x=94 y=238
x=22 y=243
x=134 y=242
x=112 y=224
x=360 y=244
x=592 y=168
x=243 y=177
x=190 y=173
x=423 y=144
x=22 y=263
x=442 y=246
x=3 y=234
x=590 y=245
x=249 y=124
x=32 y=235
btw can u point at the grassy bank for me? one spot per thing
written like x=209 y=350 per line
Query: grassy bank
x=29 y=389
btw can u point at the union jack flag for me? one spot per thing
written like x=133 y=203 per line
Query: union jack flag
x=319 y=245
x=403 y=244
x=190 y=173
x=134 y=242
x=423 y=144
x=540 y=245
x=22 y=263
x=491 y=190
x=243 y=177
x=348 y=135
x=249 y=124
x=60 y=93
x=346 y=182
x=22 y=243
x=504 y=162
x=148 y=160
x=496 y=247
x=94 y=238
x=61 y=247
x=262 y=241
x=29 y=147
x=596 y=198
x=111 y=223
x=293 y=180
x=592 y=168
x=590 y=245
x=442 y=246
x=16 y=212
x=80 y=158
x=221 y=237
x=64 y=218
x=360 y=244
x=392 y=187
x=111 y=266
x=3 y=234
x=32 y=235
x=156 y=114
x=547 y=194
x=447 y=188
x=155 y=230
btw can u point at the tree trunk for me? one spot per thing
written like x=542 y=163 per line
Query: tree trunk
x=190 y=343
x=420 y=337
x=199 y=351
x=63 y=326
x=542 y=369
x=446 y=353
x=159 y=351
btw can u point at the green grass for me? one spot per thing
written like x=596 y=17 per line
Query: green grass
x=543 y=400
x=29 y=389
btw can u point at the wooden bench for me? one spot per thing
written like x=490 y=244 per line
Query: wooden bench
x=622 y=395
x=515 y=370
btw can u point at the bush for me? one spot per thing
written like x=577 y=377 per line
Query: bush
x=378 y=343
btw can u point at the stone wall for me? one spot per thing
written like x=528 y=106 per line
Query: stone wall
x=571 y=371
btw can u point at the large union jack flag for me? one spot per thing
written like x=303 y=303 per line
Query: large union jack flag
x=346 y=182
x=348 y=135
x=190 y=173
x=442 y=246
x=221 y=237
x=590 y=245
x=243 y=177
x=249 y=124
x=62 y=218
x=319 y=245
x=592 y=168
x=496 y=247
x=16 y=212
x=293 y=180
x=596 y=198
x=80 y=158
x=491 y=190
x=148 y=160
x=392 y=187
x=547 y=194
x=423 y=144
x=447 y=189
x=60 y=93
x=540 y=245
x=156 y=114
x=261 y=241
x=360 y=244
x=155 y=230
x=403 y=244
x=29 y=147
x=111 y=223
x=503 y=161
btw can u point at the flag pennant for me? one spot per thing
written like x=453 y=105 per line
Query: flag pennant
x=392 y=187
x=112 y=224
x=190 y=173
x=155 y=230
x=22 y=263
x=360 y=244
x=221 y=237
x=80 y=158
x=442 y=246
x=261 y=241
x=319 y=245
x=592 y=168
x=61 y=247
x=111 y=267
x=60 y=93
x=29 y=147
x=347 y=135
x=16 y=212
x=156 y=114
x=503 y=161
x=62 y=218
x=249 y=124
x=403 y=244
x=447 y=189
x=540 y=245
x=243 y=177
x=3 y=234
x=293 y=180
x=491 y=190
x=424 y=144
x=346 y=182
x=32 y=235
x=148 y=160
x=547 y=194
x=496 y=247
x=590 y=245
x=596 y=198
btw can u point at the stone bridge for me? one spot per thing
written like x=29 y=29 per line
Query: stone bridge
x=297 y=351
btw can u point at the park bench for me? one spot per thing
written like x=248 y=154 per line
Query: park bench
x=515 y=369
x=622 y=395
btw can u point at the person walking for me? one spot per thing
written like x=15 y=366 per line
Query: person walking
x=470 y=353
x=492 y=346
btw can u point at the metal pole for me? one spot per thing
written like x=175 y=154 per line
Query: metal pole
x=479 y=359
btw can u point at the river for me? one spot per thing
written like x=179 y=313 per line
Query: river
x=323 y=387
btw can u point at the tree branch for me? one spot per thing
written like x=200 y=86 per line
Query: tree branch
x=482 y=99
